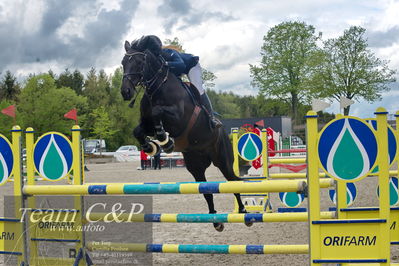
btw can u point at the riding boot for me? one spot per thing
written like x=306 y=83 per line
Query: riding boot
x=206 y=103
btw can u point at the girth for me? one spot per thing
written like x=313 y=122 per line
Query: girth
x=181 y=142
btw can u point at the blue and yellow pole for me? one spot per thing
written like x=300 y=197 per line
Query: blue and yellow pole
x=200 y=249
x=177 y=188
x=206 y=218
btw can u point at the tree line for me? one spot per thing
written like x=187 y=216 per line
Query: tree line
x=296 y=66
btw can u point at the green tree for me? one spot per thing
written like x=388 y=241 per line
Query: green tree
x=123 y=118
x=102 y=127
x=351 y=70
x=42 y=105
x=224 y=103
x=287 y=53
x=97 y=88
x=9 y=87
x=74 y=80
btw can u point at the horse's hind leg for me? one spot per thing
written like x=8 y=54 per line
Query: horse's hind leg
x=196 y=164
x=222 y=157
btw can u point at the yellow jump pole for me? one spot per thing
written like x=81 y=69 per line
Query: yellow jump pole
x=206 y=218
x=200 y=249
x=287 y=160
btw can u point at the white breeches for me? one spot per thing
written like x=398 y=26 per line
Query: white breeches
x=195 y=77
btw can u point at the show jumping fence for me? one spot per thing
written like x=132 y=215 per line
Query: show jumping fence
x=332 y=239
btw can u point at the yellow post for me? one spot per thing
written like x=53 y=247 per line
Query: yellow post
x=236 y=166
x=17 y=170
x=341 y=195
x=313 y=185
x=383 y=180
x=265 y=159
x=18 y=183
x=265 y=164
x=77 y=168
x=30 y=180
x=30 y=168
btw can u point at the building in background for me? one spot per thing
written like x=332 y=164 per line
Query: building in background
x=281 y=124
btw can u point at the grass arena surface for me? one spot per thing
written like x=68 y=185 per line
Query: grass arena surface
x=287 y=233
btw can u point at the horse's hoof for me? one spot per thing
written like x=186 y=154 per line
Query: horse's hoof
x=219 y=227
x=168 y=147
x=155 y=149
x=249 y=224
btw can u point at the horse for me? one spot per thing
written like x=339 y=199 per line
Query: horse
x=170 y=117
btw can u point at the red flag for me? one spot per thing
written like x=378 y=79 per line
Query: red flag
x=260 y=123
x=10 y=111
x=72 y=114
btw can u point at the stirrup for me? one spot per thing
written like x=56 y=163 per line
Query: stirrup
x=214 y=122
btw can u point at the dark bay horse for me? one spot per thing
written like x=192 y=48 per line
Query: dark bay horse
x=169 y=115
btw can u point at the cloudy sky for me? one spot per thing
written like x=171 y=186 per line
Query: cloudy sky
x=36 y=35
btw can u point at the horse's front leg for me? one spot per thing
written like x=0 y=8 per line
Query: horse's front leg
x=148 y=146
x=167 y=143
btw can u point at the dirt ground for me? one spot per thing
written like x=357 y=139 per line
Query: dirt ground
x=171 y=233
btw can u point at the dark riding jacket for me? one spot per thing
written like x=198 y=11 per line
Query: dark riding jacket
x=179 y=63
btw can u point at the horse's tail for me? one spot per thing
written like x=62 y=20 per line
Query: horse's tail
x=223 y=155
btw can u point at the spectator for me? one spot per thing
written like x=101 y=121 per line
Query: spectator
x=144 y=160
x=157 y=161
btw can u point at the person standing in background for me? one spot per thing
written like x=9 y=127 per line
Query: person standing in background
x=157 y=161
x=143 y=159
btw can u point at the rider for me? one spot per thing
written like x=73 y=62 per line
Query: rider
x=181 y=63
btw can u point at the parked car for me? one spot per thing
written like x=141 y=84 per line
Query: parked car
x=94 y=145
x=127 y=153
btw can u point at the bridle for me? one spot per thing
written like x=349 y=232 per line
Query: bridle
x=147 y=83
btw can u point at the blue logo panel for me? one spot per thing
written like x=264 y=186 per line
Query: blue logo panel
x=347 y=149
x=6 y=159
x=250 y=146
x=52 y=156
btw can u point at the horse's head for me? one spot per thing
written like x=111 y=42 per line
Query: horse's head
x=133 y=70
x=134 y=63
